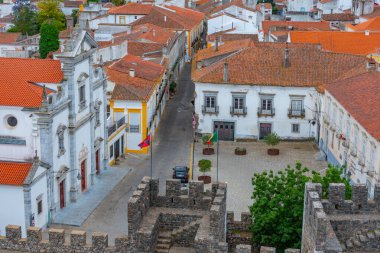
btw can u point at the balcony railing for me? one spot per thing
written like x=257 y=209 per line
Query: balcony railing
x=261 y=112
x=111 y=129
x=211 y=110
x=238 y=111
x=134 y=128
x=296 y=113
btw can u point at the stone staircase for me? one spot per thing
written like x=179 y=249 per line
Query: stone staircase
x=165 y=238
x=360 y=239
x=163 y=242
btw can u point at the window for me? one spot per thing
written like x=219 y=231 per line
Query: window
x=239 y=102
x=334 y=115
x=295 y=128
x=82 y=96
x=364 y=144
x=122 y=20
x=341 y=121
x=372 y=158
x=296 y=107
x=135 y=17
x=61 y=145
x=328 y=108
x=97 y=112
x=266 y=104
x=134 y=122
x=348 y=130
x=210 y=101
x=39 y=205
x=11 y=121
x=111 y=151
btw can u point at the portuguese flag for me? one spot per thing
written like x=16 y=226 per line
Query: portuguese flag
x=213 y=138
x=145 y=143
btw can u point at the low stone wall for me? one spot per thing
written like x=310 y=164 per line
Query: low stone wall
x=174 y=221
x=57 y=243
x=238 y=231
x=184 y=236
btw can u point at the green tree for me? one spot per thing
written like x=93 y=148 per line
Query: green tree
x=272 y=139
x=48 y=10
x=24 y=21
x=204 y=166
x=277 y=208
x=118 y=2
x=49 y=41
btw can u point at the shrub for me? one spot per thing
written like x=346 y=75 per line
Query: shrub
x=204 y=166
x=272 y=139
x=172 y=86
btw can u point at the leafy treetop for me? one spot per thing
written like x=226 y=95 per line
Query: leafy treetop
x=272 y=139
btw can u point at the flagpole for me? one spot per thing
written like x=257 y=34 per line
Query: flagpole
x=217 y=156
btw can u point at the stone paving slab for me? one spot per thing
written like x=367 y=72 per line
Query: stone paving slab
x=237 y=171
x=76 y=213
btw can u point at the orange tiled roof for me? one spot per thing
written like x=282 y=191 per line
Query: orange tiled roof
x=359 y=96
x=139 y=87
x=6 y=38
x=227 y=47
x=176 y=17
x=13 y=173
x=231 y=36
x=131 y=9
x=17 y=78
x=308 y=67
x=267 y=6
x=340 y=42
x=140 y=48
x=297 y=25
x=372 y=25
x=339 y=17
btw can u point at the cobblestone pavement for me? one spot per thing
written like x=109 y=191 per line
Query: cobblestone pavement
x=171 y=147
x=237 y=171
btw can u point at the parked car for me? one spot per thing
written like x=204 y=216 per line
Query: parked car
x=181 y=172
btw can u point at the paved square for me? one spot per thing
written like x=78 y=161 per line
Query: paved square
x=237 y=171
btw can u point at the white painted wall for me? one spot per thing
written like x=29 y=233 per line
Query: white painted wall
x=248 y=126
x=225 y=22
x=40 y=188
x=300 y=5
x=337 y=117
x=12 y=210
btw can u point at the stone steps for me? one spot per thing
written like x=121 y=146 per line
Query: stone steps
x=185 y=228
x=163 y=242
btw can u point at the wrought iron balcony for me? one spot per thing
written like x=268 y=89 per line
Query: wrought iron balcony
x=261 y=112
x=111 y=129
x=238 y=111
x=296 y=113
x=134 y=128
x=211 y=110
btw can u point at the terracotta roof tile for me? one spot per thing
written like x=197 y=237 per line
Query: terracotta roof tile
x=6 y=38
x=72 y=4
x=227 y=47
x=339 y=17
x=232 y=36
x=18 y=75
x=13 y=173
x=176 y=17
x=139 y=87
x=308 y=67
x=372 y=24
x=131 y=9
x=296 y=25
x=340 y=42
x=140 y=48
x=359 y=96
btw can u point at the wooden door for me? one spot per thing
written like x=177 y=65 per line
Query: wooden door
x=62 y=194
x=117 y=149
x=265 y=129
x=97 y=162
x=83 y=175
x=225 y=130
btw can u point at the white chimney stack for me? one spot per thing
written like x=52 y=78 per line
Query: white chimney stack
x=131 y=72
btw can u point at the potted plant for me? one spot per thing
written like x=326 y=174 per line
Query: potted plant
x=204 y=166
x=205 y=141
x=240 y=151
x=272 y=139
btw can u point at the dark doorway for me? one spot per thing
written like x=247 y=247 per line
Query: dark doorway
x=97 y=162
x=62 y=194
x=83 y=175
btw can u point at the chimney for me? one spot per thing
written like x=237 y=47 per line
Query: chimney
x=286 y=61
x=216 y=43
x=225 y=73
x=131 y=72
x=366 y=32
x=165 y=18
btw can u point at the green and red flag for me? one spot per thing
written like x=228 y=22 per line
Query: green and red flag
x=145 y=143
x=213 y=138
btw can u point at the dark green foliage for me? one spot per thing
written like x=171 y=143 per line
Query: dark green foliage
x=118 y=2
x=49 y=41
x=50 y=10
x=25 y=21
x=204 y=166
x=74 y=14
x=333 y=175
x=272 y=139
x=172 y=87
x=277 y=210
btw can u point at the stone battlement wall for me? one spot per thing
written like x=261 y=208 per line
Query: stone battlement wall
x=329 y=223
x=238 y=230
